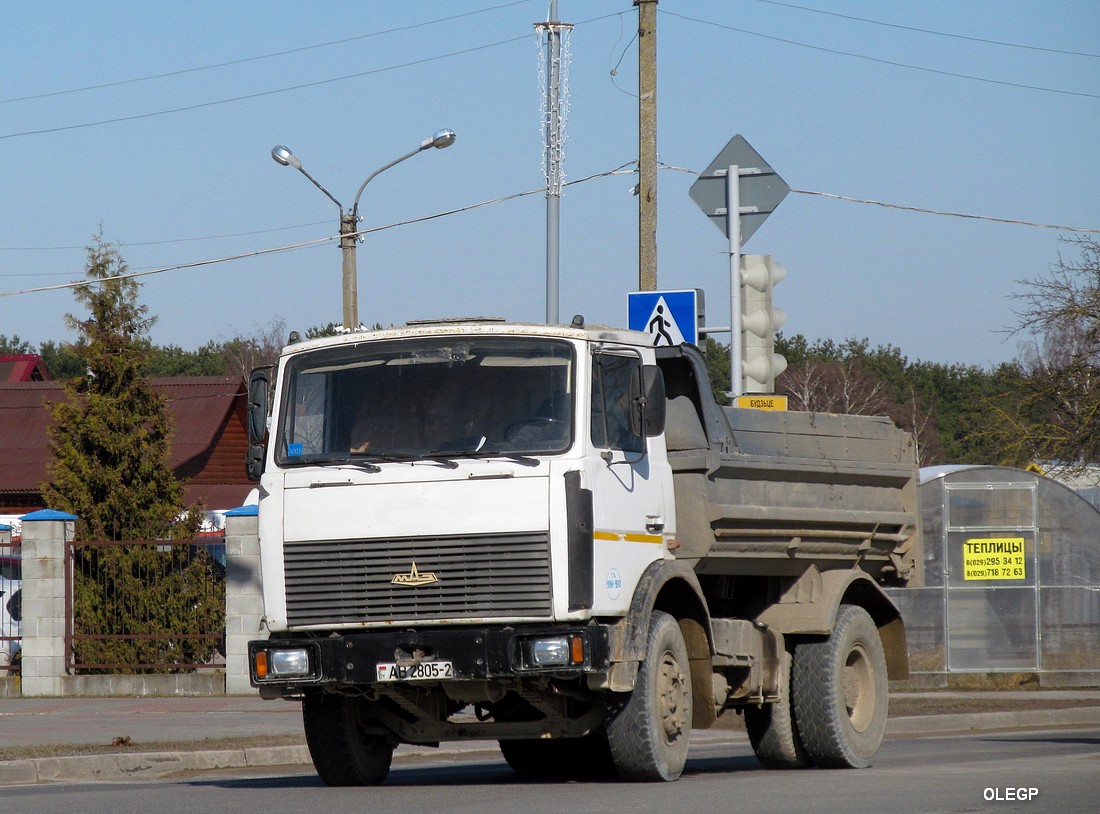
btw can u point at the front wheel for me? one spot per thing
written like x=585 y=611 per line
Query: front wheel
x=839 y=692
x=343 y=753
x=649 y=730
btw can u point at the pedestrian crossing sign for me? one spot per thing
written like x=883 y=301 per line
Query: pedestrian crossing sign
x=670 y=317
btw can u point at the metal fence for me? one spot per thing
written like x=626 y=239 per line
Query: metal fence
x=144 y=606
x=10 y=606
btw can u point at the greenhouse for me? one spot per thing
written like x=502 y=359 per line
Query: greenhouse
x=1011 y=580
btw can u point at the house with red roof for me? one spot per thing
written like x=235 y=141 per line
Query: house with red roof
x=208 y=448
x=22 y=367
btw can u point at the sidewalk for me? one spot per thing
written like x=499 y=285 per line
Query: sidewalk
x=272 y=735
x=98 y=721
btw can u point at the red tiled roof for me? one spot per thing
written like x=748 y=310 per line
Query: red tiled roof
x=23 y=422
x=22 y=367
x=201 y=407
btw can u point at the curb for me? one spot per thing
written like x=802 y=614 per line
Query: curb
x=144 y=765
x=154 y=765
x=1022 y=719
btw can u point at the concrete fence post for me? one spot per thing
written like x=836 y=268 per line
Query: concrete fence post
x=244 y=600
x=44 y=563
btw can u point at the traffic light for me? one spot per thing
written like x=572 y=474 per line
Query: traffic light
x=760 y=364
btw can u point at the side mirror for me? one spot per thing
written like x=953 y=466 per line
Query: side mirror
x=647 y=401
x=259 y=397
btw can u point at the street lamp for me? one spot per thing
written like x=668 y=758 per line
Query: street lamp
x=349 y=218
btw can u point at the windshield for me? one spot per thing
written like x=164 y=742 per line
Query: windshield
x=432 y=397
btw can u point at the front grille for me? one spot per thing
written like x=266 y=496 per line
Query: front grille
x=332 y=582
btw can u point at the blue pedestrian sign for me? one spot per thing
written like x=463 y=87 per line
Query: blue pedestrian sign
x=670 y=317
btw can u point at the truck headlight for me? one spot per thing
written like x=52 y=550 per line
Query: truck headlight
x=288 y=663
x=554 y=651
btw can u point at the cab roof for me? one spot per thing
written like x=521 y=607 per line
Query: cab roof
x=477 y=326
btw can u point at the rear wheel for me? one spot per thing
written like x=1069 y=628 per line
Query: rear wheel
x=839 y=691
x=648 y=731
x=343 y=753
x=771 y=727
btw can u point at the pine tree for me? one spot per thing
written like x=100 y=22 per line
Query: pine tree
x=112 y=435
x=111 y=440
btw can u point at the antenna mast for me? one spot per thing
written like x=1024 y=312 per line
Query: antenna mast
x=554 y=90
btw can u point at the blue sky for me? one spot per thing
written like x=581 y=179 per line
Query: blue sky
x=871 y=101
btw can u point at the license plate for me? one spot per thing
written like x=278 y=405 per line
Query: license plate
x=425 y=671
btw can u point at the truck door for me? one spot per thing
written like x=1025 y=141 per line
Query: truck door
x=631 y=483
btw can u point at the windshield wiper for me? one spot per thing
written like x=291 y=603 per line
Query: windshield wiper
x=392 y=459
x=525 y=460
x=366 y=466
x=412 y=460
x=479 y=451
x=368 y=462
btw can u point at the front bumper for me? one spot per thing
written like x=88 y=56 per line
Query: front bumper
x=475 y=654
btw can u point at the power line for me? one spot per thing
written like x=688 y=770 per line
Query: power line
x=161 y=270
x=261 y=94
x=932 y=31
x=947 y=214
x=304 y=244
x=258 y=57
x=620 y=170
x=922 y=210
x=124 y=243
x=892 y=63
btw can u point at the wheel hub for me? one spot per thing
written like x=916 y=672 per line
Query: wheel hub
x=673 y=694
x=858 y=686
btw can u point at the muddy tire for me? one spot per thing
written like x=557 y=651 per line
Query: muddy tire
x=771 y=728
x=343 y=754
x=839 y=692
x=649 y=729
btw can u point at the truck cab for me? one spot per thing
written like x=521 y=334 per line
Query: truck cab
x=460 y=446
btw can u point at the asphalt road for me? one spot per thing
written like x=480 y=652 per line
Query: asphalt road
x=70 y=739
x=1040 y=771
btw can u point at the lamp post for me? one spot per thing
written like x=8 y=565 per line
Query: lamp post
x=350 y=218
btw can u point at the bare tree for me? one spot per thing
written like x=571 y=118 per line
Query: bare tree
x=827 y=386
x=849 y=382
x=1058 y=418
x=919 y=422
x=243 y=353
x=1065 y=303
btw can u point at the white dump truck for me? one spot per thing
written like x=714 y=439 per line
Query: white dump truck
x=554 y=537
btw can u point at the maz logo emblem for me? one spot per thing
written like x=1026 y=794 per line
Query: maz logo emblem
x=414 y=578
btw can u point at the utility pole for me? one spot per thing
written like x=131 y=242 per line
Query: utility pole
x=647 y=144
x=349 y=226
